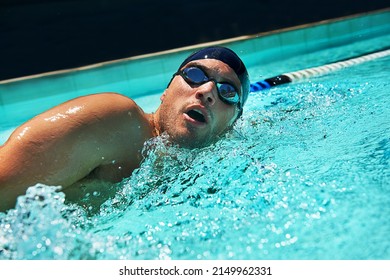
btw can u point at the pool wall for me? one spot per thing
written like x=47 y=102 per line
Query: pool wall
x=22 y=98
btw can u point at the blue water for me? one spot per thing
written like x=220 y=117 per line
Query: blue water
x=303 y=175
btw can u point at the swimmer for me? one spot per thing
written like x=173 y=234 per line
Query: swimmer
x=101 y=136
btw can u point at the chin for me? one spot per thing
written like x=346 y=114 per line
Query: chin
x=188 y=136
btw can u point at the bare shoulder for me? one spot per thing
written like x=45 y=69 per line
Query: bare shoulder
x=88 y=128
x=104 y=103
x=113 y=109
x=111 y=98
x=108 y=110
x=66 y=143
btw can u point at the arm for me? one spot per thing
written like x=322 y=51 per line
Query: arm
x=65 y=144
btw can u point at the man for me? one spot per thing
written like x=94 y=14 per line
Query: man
x=100 y=136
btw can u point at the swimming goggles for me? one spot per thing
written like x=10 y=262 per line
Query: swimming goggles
x=196 y=76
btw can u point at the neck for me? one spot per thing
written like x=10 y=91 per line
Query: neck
x=154 y=124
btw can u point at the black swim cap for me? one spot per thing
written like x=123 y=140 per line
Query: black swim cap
x=230 y=58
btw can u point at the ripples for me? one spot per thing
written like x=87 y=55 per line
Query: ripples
x=303 y=175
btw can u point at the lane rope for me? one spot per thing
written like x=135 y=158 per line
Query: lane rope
x=315 y=71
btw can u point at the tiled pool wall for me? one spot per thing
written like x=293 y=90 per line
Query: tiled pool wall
x=149 y=74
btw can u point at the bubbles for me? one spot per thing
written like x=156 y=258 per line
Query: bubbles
x=41 y=227
x=301 y=176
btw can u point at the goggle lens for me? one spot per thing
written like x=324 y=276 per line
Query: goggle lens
x=226 y=92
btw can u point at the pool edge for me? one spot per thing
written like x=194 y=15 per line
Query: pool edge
x=194 y=47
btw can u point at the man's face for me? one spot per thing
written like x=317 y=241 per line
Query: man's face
x=194 y=115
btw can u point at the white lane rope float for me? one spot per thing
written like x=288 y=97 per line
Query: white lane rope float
x=315 y=71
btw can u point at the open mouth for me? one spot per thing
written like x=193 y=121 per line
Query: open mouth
x=196 y=115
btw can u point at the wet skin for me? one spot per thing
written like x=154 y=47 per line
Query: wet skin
x=100 y=136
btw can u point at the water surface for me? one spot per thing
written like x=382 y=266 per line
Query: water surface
x=303 y=175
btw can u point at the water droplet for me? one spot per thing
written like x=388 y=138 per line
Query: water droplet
x=96 y=193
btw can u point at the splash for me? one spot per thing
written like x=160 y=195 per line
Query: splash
x=303 y=175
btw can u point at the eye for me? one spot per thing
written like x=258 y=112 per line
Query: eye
x=195 y=75
x=228 y=92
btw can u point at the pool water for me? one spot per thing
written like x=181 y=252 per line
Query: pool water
x=303 y=175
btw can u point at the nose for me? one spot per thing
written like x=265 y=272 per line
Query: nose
x=206 y=92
